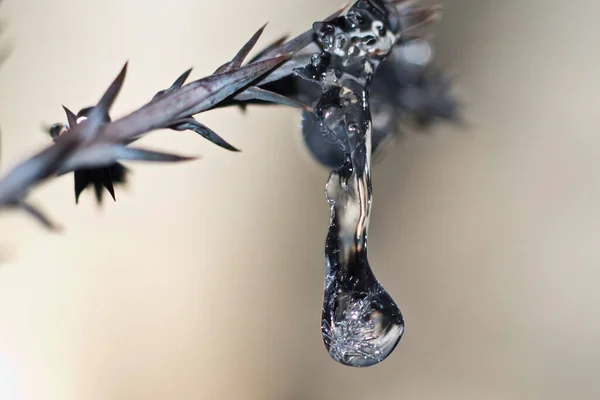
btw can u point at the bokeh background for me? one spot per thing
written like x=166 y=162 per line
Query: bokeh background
x=204 y=280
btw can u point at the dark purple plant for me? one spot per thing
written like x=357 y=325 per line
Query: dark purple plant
x=358 y=76
x=92 y=145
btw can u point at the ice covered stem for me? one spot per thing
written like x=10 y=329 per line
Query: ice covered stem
x=361 y=323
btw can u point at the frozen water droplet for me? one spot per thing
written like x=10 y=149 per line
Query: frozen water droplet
x=340 y=41
x=353 y=128
x=361 y=329
x=315 y=60
x=361 y=324
x=369 y=40
x=379 y=27
x=326 y=33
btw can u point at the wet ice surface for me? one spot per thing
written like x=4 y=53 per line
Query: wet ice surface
x=361 y=323
x=407 y=91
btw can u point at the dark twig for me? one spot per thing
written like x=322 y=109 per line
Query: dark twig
x=91 y=141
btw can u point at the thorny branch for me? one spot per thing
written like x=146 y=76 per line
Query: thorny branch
x=92 y=142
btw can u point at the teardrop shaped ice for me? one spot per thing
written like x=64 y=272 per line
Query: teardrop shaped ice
x=361 y=323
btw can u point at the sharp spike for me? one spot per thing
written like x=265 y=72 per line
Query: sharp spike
x=269 y=48
x=256 y=93
x=137 y=154
x=71 y=117
x=176 y=85
x=39 y=216
x=113 y=90
x=238 y=59
x=204 y=131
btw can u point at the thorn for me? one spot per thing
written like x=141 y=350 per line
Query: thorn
x=71 y=117
x=39 y=216
x=243 y=53
x=269 y=48
x=181 y=80
x=176 y=85
x=256 y=93
x=137 y=154
x=204 y=131
x=112 y=92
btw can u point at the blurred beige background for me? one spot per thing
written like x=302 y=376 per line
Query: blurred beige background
x=204 y=280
